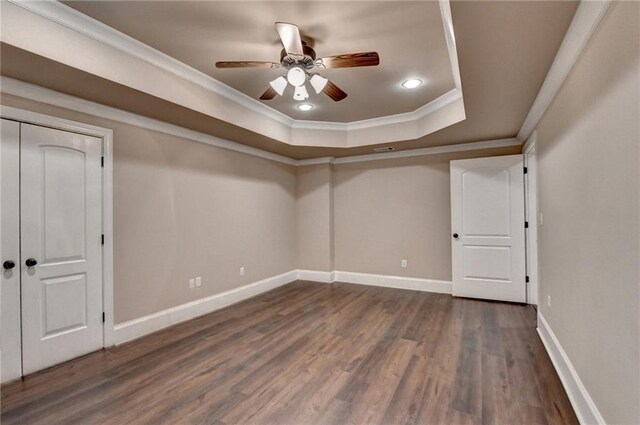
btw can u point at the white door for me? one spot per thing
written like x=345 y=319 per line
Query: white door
x=61 y=259
x=531 y=212
x=487 y=220
x=10 y=344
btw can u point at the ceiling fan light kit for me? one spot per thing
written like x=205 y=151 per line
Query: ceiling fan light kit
x=299 y=59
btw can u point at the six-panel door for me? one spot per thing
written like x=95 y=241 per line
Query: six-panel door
x=61 y=261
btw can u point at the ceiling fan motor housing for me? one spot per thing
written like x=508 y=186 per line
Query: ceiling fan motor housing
x=306 y=61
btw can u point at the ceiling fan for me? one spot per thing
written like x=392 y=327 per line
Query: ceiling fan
x=299 y=59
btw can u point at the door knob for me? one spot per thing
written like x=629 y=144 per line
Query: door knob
x=8 y=265
x=455 y=236
x=31 y=262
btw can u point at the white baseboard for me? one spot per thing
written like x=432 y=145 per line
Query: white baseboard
x=413 y=283
x=316 y=276
x=583 y=405
x=145 y=325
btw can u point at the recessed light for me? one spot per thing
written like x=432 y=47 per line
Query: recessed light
x=411 y=84
x=304 y=107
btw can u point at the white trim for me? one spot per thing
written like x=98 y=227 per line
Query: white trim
x=61 y=100
x=316 y=276
x=136 y=328
x=586 y=410
x=106 y=135
x=412 y=283
x=51 y=97
x=145 y=325
x=530 y=143
x=316 y=161
x=447 y=22
x=585 y=21
x=96 y=30
x=427 y=109
x=461 y=147
x=70 y=18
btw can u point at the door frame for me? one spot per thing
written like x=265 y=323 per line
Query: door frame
x=106 y=135
x=532 y=214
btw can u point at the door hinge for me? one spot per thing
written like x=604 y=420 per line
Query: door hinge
x=526 y=224
x=525 y=170
x=102 y=161
x=104 y=317
x=102 y=239
x=526 y=279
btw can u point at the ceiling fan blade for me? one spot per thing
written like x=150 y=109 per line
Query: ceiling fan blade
x=246 y=64
x=351 y=60
x=269 y=94
x=334 y=92
x=290 y=37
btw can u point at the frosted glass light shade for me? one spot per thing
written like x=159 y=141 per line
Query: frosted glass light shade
x=318 y=83
x=279 y=84
x=301 y=93
x=296 y=76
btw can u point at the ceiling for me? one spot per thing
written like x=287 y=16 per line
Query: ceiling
x=505 y=49
x=408 y=35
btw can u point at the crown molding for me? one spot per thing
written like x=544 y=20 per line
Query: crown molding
x=70 y=18
x=85 y=25
x=588 y=16
x=316 y=161
x=423 y=111
x=61 y=100
x=436 y=150
x=50 y=97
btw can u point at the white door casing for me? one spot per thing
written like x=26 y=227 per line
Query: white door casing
x=61 y=192
x=487 y=215
x=10 y=343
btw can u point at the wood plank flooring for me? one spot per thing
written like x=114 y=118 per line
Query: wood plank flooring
x=309 y=353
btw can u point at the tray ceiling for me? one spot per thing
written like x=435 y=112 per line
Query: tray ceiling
x=408 y=35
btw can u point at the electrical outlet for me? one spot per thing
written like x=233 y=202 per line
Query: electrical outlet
x=403 y=263
x=549 y=301
x=192 y=283
x=198 y=281
x=241 y=271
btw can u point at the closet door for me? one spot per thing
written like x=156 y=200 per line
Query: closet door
x=61 y=258
x=10 y=249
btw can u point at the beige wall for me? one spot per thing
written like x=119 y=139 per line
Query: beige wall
x=389 y=210
x=315 y=218
x=589 y=186
x=184 y=209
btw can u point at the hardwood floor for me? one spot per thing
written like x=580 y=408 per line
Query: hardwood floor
x=309 y=353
